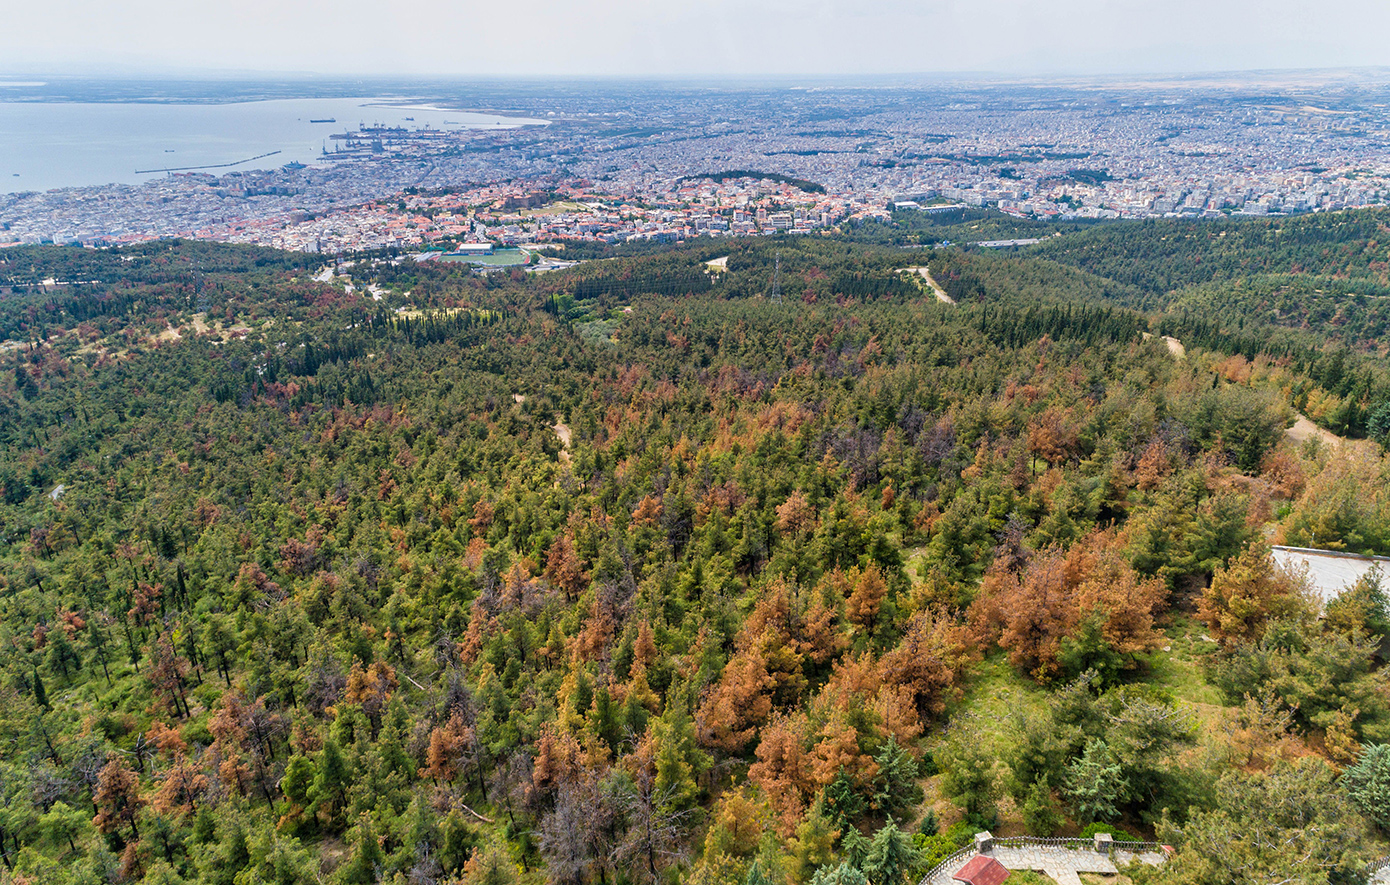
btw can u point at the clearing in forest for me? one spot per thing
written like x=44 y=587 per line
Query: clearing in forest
x=931 y=283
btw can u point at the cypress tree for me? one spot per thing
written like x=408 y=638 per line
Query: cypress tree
x=40 y=694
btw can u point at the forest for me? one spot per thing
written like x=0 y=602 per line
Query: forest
x=633 y=573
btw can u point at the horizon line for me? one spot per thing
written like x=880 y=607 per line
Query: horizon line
x=26 y=78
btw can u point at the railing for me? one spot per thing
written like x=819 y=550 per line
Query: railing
x=1048 y=841
x=1137 y=847
x=1070 y=843
x=1073 y=842
x=951 y=860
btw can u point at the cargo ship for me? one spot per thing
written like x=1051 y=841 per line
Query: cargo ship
x=325 y=120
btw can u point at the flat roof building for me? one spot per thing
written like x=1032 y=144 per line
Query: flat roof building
x=1329 y=571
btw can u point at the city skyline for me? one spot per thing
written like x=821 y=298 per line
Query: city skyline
x=629 y=161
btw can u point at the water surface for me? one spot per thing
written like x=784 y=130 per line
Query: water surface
x=46 y=145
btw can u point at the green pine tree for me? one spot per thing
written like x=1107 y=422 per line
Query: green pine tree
x=1095 y=783
x=329 y=789
x=891 y=856
x=40 y=693
x=366 y=856
x=1368 y=783
x=855 y=847
x=895 y=786
x=844 y=874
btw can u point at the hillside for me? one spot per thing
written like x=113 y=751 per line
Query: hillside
x=630 y=573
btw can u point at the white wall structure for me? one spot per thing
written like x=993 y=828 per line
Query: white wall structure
x=1330 y=571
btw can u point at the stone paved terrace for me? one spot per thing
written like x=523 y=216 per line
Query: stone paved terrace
x=1061 y=860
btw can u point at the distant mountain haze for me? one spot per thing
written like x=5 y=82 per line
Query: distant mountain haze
x=720 y=37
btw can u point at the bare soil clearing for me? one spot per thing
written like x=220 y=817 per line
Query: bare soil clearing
x=1304 y=430
x=563 y=432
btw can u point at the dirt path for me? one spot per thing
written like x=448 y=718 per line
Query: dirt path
x=939 y=292
x=1174 y=345
x=1304 y=430
x=562 y=430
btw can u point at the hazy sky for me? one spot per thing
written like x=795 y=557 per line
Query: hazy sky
x=674 y=37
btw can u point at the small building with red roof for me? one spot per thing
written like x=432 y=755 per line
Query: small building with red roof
x=982 y=870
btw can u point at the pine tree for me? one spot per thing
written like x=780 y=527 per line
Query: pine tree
x=1095 y=784
x=843 y=801
x=62 y=657
x=40 y=693
x=1040 y=813
x=844 y=874
x=367 y=856
x=854 y=846
x=329 y=789
x=63 y=824
x=891 y=856
x=678 y=760
x=117 y=797
x=232 y=854
x=1368 y=783
x=755 y=875
x=895 y=785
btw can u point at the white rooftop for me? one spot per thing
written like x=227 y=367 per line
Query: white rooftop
x=1329 y=571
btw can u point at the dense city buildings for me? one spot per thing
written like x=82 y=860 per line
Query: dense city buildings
x=626 y=162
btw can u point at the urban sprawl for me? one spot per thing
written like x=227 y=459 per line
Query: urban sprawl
x=665 y=163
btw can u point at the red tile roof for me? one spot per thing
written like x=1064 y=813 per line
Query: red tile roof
x=982 y=870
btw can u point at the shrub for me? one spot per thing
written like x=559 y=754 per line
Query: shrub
x=937 y=848
x=1115 y=832
x=1040 y=814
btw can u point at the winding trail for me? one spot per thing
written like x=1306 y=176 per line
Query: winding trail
x=1302 y=430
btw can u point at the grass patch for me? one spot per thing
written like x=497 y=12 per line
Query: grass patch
x=1179 y=670
x=504 y=257
x=597 y=331
x=996 y=690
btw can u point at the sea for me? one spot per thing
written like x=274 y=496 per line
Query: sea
x=58 y=144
